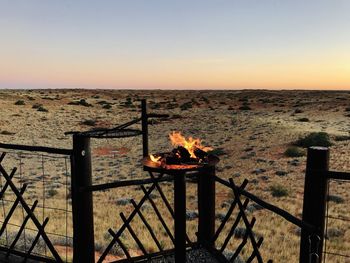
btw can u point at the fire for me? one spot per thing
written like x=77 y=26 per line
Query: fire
x=187 y=151
x=154 y=158
x=189 y=144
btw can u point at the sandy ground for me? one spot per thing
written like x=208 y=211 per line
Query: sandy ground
x=251 y=142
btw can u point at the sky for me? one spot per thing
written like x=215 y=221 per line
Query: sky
x=175 y=44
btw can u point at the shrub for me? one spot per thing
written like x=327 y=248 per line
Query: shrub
x=107 y=106
x=191 y=215
x=334 y=232
x=294 y=151
x=52 y=193
x=341 y=138
x=6 y=133
x=89 y=122
x=36 y=106
x=245 y=107
x=336 y=199
x=303 y=120
x=81 y=102
x=128 y=102
x=186 y=106
x=218 y=152
x=41 y=108
x=20 y=102
x=279 y=191
x=314 y=139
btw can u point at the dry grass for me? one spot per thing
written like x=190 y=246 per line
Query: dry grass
x=253 y=143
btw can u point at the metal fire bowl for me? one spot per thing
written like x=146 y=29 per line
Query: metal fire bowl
x=149 y=165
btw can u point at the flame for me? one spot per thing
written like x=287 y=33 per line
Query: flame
x=154 y=158
x=190 y=144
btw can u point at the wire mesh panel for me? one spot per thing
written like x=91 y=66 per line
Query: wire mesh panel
x=336 y=242
x=43 y=185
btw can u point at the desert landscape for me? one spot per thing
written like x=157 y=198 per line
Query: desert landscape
x=256 y=133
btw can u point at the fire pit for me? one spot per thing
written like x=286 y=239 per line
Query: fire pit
x=188 y=156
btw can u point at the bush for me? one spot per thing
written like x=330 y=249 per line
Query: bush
x=81 y=102
x=279 y=191
x=186 y=106
x=341 y=138
x=89 y=122
x=245 y=107
x=294 y=151
x=52 y=193
x=336 y=199
x=334 y=232
x=20 y=102
x=41 y=108
x=217 y=152
x=36 y=106
x=314 y=139
x=303 y=120
x=107 y=106
x=6 y=133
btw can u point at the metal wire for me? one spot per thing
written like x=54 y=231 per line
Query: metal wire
x=4 y=212
x=16 y=152
x=40 y=206
x=346 y=219
x=337 y=254
x=21 y=184
x=339 y=218
x=66 y=174
x=327 y=211
x=43 y=158
x=43 y=175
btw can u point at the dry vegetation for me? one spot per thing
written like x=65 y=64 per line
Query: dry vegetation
x=251 y=130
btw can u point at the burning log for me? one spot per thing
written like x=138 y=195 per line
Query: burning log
x=186 y=152
x=202 y=155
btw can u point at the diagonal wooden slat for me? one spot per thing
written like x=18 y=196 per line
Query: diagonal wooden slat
x=12 y=210
x=121 y=244
x=233 y=228
x=2 y=156
x=149 y=228
x=36 y=239
x=120 y=231
x=250 y=259
x=133 y=234
x=166 y=202
x=243 y=243
x=246 y=222
x=159 y=215
x=229 y=213
x=22 y=228
x=31 y=214
x=3 y=190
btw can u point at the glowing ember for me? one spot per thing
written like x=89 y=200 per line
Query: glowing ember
x=155 y=158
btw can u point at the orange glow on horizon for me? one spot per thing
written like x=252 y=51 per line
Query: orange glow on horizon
x=323 y=73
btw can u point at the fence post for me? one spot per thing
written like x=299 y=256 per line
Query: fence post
x=315 y=198
x=206 y=206
x=180 y=217
x=82 y=206
x=144 y=123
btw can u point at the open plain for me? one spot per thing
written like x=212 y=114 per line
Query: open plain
x=250 y=130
